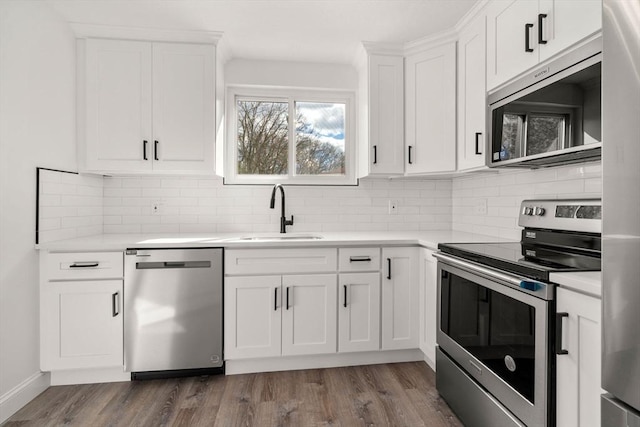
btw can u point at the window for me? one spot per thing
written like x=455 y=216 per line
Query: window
x=287 y=136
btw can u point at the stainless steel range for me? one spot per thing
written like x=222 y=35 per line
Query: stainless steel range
x=496 y=314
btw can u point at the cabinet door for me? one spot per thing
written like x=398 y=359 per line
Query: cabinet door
x=400 y=305
x=81 y=325
x=430 y=112
x=359 y=312
x=309 y=314
x=472 y=92
x=567 y=22
x=428 y=305
x=386 y=115
x=578 y=372
x=252 y=316
x=506 y=39
x=183 y=107
x=118 y=106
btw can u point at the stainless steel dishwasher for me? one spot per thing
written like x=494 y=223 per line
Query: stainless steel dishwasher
x=173 y=312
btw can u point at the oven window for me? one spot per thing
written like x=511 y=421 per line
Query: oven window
x=496 y=329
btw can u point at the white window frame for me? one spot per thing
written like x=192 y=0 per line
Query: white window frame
x=290 y=95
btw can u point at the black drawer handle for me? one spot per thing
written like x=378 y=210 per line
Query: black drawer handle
x=410 y=160
x=359 y=259
x=275 y=299
x=388 y=268
x=115 y=305
x=375 y=154
x=559 y=349
x=84 y=265
x=287 y=298
x=155 y=150
x=541 y=18
x=144 y=149
x=478 y=142
x=527 y=31
x=345 y=296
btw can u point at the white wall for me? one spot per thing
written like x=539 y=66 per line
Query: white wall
x=37 y=128
x=504 y=189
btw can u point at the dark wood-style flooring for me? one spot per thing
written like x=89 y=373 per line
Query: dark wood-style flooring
x=401 y=394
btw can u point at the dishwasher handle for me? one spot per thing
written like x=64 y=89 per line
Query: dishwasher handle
x=172 y=264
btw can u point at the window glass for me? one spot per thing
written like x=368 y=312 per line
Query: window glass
x=320 y=138
x=263 y=137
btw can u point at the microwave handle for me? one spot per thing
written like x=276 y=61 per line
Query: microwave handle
x=527 y=34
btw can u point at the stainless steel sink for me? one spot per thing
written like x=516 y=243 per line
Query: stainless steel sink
x=281 y=237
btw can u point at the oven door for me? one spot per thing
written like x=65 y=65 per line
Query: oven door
x=498 y=334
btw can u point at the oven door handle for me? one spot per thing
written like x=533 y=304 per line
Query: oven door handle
x=492 y=274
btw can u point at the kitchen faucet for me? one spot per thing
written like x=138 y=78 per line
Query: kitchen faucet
x=283 y=219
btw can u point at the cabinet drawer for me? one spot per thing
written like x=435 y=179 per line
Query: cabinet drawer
x=82 y=265
x=359 y=259
x=280 y=261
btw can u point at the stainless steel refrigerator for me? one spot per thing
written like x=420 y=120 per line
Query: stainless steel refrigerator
x=621 y=213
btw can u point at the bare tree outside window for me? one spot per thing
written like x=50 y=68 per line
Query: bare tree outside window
x=263 y=137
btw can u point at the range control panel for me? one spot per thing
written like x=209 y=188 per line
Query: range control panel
x=573 y=215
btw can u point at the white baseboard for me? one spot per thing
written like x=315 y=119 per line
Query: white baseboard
x=13 y=400
x=291 y=363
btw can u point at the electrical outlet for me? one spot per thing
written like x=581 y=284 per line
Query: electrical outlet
x=156 y=207
x=480 y=207
x=393 y=207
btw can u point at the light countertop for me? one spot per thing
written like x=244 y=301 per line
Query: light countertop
x=586 y=282
x=119 y=242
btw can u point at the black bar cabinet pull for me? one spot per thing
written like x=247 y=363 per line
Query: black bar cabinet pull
x=144 y=149
x=375 y=154
x=541 y=17
x=84 y=264
x=345 y=296
x=527 y=31
x=359 y=259
x=155 y=150
x=115 y=309
x=287 y=298
x=559 y=349
x=410 y=161
x=275 y=299
x=389 y=268
x=478 y=142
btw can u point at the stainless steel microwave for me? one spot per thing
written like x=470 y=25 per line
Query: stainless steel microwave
x=552 y=115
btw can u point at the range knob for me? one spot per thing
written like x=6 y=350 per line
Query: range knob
x=527 y=210
x=538 y=211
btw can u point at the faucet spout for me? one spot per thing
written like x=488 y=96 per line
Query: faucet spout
x=283 y=219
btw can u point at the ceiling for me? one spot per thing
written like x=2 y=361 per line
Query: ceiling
x=327 y=31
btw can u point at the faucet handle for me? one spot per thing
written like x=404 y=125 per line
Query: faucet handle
x=289 y=221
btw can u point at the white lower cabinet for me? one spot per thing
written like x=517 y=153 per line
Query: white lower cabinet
x=280 y=315
x=578 y=371
x=81 y=310
x=82 y=325
x=428 y=304
x=309 y=314
x=359 y=312
x=400 y=298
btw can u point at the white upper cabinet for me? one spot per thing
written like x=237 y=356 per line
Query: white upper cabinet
x=183 y=107
x=522 y=33
x=146 y=106
x=430 y=110
x=566 y=22
x=472 y=95
x=382 y=115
